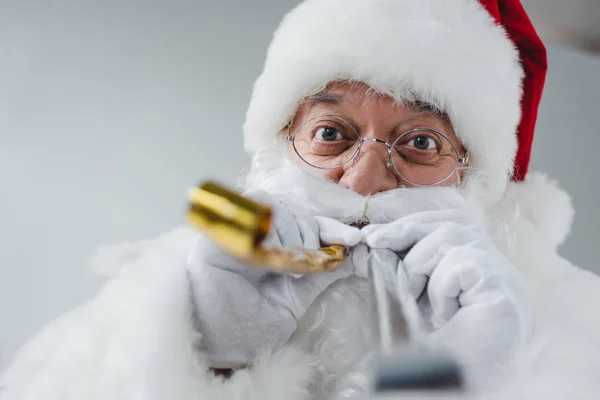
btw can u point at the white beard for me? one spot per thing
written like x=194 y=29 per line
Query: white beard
x=336 y=328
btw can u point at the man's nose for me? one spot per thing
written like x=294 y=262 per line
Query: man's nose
x=369 y=172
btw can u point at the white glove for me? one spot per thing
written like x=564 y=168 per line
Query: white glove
x=480 y=304
x=241 y=310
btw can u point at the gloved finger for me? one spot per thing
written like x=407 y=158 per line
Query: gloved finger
x=309 y=232
x=445 y=286
x=284 y=228
x=424 y=256
x=407 y=231
x=417 y=285
x=481 y=333
x=335 y=232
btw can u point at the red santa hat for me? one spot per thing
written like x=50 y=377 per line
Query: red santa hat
x=512 y=17
x=479 y=61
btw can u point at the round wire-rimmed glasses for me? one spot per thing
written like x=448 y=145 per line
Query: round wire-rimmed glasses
x=420 y=156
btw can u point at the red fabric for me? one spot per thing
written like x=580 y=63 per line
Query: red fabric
x=512 y=16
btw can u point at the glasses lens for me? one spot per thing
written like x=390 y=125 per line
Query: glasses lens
x=326 y=142
x=424 y=157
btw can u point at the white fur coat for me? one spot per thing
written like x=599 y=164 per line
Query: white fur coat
x=135 y=339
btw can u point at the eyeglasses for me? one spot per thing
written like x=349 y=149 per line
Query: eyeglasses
x=420 y=156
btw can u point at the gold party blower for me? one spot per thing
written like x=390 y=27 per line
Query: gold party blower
x=240 y=225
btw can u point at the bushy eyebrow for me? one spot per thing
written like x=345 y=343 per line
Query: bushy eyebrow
x=425 y=107
x=428 y=108
x=418 y=121
x=325 y=98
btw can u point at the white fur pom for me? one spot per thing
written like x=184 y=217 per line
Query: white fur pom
x=542 y=202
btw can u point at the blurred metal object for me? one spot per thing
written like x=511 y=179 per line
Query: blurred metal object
x=239 y=225
x=390 y=326
x=417 y=370
x=402 y=365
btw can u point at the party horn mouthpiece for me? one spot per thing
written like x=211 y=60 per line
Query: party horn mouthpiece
x=240 y=225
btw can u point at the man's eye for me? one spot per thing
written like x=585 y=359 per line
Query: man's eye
x=328 y=134
x=423 y=143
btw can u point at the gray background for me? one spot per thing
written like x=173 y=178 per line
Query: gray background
x=109 y=112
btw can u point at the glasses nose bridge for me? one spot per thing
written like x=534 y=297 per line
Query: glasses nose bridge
x=375 y=140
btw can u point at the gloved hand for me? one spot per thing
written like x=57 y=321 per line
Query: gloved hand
x=480 y=304
x=242 y=310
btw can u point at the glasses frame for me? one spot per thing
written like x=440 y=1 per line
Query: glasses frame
x=461 y=160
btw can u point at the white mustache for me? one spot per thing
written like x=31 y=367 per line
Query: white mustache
x=306 y=193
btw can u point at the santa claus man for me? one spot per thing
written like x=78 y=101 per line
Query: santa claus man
x=397 y=126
